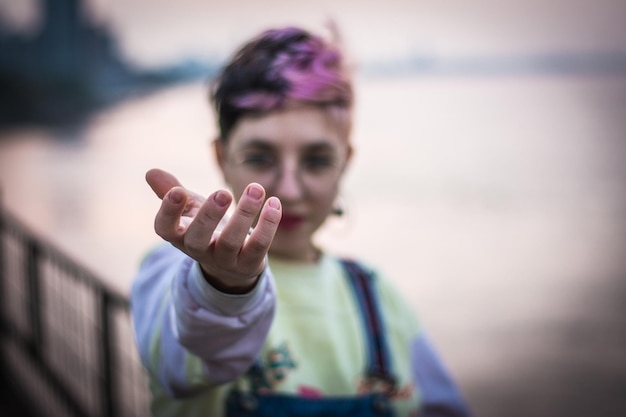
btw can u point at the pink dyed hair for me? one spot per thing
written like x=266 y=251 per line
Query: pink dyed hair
x=281 y=67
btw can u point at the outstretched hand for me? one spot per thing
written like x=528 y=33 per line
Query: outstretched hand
x=231 y=258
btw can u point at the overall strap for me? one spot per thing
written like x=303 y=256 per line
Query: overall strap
x=379 y=363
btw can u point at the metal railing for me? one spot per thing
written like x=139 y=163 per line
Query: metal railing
x=65 y=337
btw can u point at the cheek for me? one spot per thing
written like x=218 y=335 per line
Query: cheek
x=326 y=198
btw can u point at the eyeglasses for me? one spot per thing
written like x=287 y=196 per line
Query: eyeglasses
x=314 y=167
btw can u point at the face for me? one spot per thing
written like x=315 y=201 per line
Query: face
x=298 y=155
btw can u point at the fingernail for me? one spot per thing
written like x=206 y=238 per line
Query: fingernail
x=175 y=197
x=274 y=203
x=255 y=192
x=221 y=199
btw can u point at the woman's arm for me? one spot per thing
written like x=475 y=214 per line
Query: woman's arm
x=191 y=336
x=440 y=395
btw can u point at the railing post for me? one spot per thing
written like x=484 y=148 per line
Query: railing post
x=3 y=272
x=33 y=252
x=107 y=356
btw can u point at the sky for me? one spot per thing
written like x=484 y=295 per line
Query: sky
x=153 y=32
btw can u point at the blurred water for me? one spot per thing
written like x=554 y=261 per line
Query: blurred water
x=497 y=205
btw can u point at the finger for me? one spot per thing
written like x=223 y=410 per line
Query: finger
x=200 y=231
x=236 y=230
x=167 y=222
x=161 y=181
x=259 y=242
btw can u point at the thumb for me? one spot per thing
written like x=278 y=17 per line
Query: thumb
x=161 y=181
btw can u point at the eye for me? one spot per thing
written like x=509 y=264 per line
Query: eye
x=259 y=160
x=318 y=161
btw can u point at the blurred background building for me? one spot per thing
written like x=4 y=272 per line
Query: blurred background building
x=68 y=65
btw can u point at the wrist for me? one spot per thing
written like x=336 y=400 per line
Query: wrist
x=241 y=287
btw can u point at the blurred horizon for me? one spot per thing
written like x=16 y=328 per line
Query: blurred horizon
x=152 y=34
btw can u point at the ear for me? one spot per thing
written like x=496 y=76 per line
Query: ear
x=349 y=153
x=220 y=153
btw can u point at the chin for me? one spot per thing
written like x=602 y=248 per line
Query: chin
x=288 y=248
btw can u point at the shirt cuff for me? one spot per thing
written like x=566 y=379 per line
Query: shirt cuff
x=230 y=304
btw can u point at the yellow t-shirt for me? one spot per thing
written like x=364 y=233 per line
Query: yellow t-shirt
x=316 y=344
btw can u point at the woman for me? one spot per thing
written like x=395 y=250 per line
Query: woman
x=243 y=315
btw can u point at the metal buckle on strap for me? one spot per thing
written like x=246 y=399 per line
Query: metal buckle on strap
x=381 y=382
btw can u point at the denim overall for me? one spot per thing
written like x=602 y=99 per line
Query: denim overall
x=377 y=404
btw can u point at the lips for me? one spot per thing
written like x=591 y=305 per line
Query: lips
x=290 y=221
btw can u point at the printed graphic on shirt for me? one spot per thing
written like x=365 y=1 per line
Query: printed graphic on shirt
x=279 y=363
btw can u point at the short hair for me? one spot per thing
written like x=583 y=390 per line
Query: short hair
x=279 y=68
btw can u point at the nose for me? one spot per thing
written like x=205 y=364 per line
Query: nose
x=288 y=184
